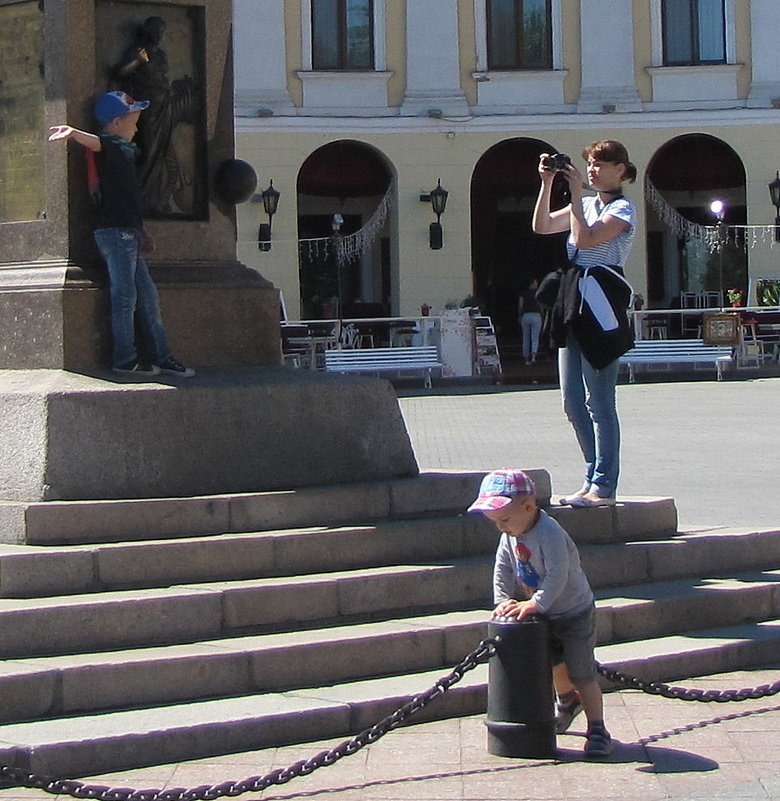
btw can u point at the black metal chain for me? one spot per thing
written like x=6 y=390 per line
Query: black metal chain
x=685 y=693
x=256 y=784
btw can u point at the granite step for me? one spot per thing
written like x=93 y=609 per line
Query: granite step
x=185 y=613
x=69 y=684
x=79 y=623
x=428 y=495
x=78 y=522
x=78 y=746
x=34 y=571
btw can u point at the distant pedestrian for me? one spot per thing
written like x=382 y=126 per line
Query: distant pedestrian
x=121 y=237
x=530 y=313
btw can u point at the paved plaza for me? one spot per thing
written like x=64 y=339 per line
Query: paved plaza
x=714 y=447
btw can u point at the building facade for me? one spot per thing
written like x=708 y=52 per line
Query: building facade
x=357 y=109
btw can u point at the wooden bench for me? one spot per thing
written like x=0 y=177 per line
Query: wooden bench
x=423 y=358
x=670 y=351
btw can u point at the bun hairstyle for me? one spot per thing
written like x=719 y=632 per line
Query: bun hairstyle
x=610 y=150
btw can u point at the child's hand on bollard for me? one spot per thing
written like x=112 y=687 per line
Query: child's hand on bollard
x=517 y=609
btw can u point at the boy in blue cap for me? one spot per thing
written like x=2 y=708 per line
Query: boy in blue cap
x=537 y=572
x=120 y=236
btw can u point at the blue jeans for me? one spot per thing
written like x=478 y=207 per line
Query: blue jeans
x=531 y=326
x=589 y=403
x=133 y=293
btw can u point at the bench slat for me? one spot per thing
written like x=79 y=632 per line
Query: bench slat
x=374 y=360
x=667 y=351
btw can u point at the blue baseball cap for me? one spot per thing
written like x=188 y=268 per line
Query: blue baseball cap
x=499 y=488
x=111 y=105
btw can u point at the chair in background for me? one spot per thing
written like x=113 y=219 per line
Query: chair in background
x=657 y=326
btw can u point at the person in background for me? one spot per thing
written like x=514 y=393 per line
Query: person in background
x=530 y=321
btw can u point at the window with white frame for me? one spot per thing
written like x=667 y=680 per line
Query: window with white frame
x=694 y=32
x=519 y=34
x=342 y=35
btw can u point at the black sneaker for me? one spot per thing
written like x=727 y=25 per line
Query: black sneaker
x=172 y=367
x=135 y=367
x=598 y=743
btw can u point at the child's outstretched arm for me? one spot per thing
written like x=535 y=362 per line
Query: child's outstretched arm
x=90 y=140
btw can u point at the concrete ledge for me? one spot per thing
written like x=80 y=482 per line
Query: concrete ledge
x=74 y=437
x=100 y=521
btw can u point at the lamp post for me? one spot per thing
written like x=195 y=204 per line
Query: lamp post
x=335 y=224
x=774 y=194
x=718 y=208
x=270 y=198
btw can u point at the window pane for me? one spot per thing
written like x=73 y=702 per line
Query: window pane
x=325 y=34
x=359 y=38
x=711 y=31
x=537 y=45
x=502 y=35
x=678 y=33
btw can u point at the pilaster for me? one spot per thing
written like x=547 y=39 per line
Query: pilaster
x=432 y=60
x=607 y=36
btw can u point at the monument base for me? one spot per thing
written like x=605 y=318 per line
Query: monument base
x=66 y=436
x=56 y=316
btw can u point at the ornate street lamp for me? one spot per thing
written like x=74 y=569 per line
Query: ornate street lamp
x=270 y=198
x=438 y=198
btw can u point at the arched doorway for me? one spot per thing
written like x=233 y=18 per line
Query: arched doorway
x=685 y=176
x=344 y=264
x=505 y=253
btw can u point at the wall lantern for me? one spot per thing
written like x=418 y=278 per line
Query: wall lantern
x=270 y=198
x=438 y=199
x=774 y=193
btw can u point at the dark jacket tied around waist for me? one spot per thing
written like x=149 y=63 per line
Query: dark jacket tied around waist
x=594 y=302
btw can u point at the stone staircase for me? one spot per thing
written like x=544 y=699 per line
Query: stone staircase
x=152 y=631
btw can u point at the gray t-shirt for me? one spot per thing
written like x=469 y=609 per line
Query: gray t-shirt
x=543 y=565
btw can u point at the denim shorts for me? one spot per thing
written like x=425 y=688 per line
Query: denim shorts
x=573 y=639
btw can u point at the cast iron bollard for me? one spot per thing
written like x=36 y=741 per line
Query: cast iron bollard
x=520 y=717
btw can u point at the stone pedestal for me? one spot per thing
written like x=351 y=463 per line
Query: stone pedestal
x=66 y=436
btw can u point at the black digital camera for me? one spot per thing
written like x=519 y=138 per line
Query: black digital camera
x=557 y=162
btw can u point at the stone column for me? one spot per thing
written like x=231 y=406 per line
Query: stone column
x=432 y=59
x=607 y=58
x=765 y=85
x=260 y=58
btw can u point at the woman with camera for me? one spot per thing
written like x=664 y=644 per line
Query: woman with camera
x=589 y=299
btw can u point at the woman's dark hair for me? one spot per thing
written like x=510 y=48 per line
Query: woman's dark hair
x=610 y=150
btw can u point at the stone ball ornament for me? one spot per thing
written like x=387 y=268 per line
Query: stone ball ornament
x=235 y=181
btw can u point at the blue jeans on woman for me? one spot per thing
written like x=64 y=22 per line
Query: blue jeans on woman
x=531 y=327
x=589 y=402
x=133 y=292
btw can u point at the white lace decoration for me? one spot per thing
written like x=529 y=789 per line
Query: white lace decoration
x=352 y=246
x=743 y=236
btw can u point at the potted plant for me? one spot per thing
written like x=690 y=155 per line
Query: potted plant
x=734 y=296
